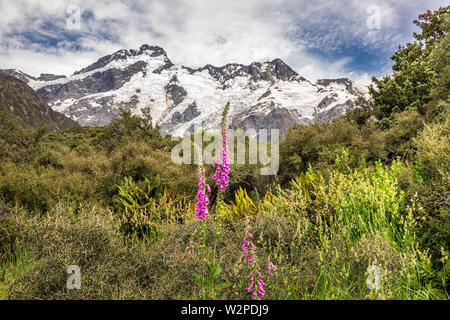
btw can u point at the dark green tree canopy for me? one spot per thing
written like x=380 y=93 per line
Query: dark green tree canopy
x=414 y=70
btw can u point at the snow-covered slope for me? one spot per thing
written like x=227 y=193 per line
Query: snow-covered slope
x=262 y=95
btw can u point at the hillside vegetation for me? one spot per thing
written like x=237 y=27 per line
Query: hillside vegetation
x=23 y=102
x=363 y=192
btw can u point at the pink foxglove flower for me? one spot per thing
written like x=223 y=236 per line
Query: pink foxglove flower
x=201 y=209
x=256 y=288
x=222 y=165
x=271 y=267
x=248 y=247
x=261 y=290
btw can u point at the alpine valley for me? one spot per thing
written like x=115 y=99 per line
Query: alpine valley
x=261 y=95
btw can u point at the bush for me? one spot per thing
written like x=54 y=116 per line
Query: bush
x=8 y=237
x=144 y=210
x=433 y=156
x=319 y=144
x=429 y=179
x=399 y=138
x=110 y=269
x=20 y=185
x=139 y=161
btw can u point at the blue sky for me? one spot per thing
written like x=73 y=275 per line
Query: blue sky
x=319 y=39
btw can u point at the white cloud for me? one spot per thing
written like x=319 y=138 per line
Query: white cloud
x=198 y=32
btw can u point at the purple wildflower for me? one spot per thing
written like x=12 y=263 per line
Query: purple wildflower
x=201 y=208
x=260 y=284
x=222 y=165
x=248 y=247
x=271 y=267
x=256 y=288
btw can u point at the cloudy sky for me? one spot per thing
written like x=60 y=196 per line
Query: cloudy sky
x=318 y=39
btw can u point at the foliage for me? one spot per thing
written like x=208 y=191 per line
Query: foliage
x=47 y=245
x=414 y=72
x=143 y=211
x=209 y=288
x=8 y=240
x=129 y=127
x=242 y=206
x=17 y=142
x=318 y=144
x=428 y=177
x=40 y=169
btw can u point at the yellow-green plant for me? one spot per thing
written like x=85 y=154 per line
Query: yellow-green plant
x=242 y=207
x=143 y=213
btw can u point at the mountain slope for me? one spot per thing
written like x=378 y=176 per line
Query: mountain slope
x=262 y=95
x=22 y=101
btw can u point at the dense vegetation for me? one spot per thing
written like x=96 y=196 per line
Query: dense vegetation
x=370 y=188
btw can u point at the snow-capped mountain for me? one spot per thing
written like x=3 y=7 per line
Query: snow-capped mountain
x=261 y=95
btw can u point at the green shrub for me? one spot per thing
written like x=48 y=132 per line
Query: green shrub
x=110 y=269
x=399 y=138
x=429 y=178
x=433 y=156
x=8 y=238
x=19 y=184
x=143 y=210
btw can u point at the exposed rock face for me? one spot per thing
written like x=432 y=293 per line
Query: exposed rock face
x=336 y=111
x=174 y=92
x=18 y=74
x=50 y=77
x=22 y=101
x=347 y=83
x=269 y=71
x=187 y=115
x=276 y=118
x=262 y=95
x=327 y=101
x=101 y=81
x=26 y=77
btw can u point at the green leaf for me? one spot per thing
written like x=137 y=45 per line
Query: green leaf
x=217 y=272
x=198 y=278
x=224 y=285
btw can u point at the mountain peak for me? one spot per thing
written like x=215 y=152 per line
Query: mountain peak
x=124 y=54
x=263 y=94
x=283 y=71
x=18 y=74
x=153 y=51
x=270 y=71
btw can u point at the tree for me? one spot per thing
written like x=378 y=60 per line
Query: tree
x=413 y=71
